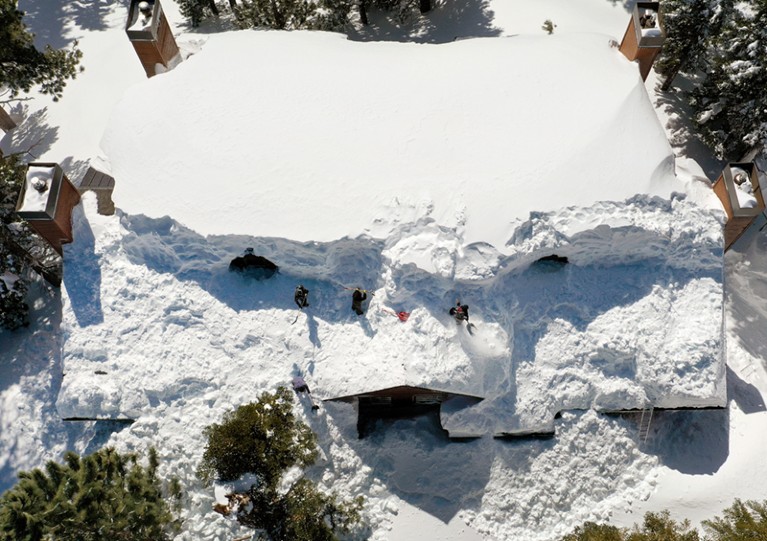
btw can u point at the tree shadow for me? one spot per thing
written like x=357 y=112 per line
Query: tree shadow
x=30 y=379
x=681 y=128
x=33 y=136
x=82 y=273
x=628 y=5
x=74 y=169
x=447 y=21
x=745 y=291
x=49 y=21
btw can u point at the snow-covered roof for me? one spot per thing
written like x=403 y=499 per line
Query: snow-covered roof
x=312 y=137
x=424 y=174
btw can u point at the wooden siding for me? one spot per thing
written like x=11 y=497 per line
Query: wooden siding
x=58 y=229
x=158 y=50
x=636 y=49
x=6 y=122
x=167 y=43
x=103 y=185
x=738 y=219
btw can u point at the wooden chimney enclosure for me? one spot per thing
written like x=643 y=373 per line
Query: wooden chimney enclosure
x=644 y=36
x=46 y=201
x=741 y=204
x=150 y=34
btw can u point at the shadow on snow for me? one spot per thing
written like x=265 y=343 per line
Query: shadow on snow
x=447 y=21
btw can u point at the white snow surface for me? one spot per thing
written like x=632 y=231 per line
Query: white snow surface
x=35 y=200
x=471 y=134
x=634 y=317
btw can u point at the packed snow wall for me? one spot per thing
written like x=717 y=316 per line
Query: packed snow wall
x=633 y=319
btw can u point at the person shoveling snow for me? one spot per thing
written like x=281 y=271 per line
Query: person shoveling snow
x=460 y=312
x=301 y=388
x=301 y=297
x=358 y=297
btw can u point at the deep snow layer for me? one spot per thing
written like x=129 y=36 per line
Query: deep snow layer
x=524 y=490
x=633 y=320
x=312 y=137
x=449 y=199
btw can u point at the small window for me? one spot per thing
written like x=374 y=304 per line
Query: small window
x=425 y=399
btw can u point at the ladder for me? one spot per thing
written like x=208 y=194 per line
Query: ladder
x=644 y=423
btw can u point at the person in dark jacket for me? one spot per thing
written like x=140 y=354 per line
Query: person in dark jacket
x=358 y=296
x=301 y=297
x=460 y=312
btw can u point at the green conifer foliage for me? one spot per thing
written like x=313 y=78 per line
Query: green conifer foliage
x=197 y=10
x=661 y=527
x=264 y=438
x=688 y=25
x=596 y=532
x=328 y=15
x=301 y=514
x=22 y=66
x=14 y=311
x=101 y=496
x=743 y=521
x=656 y=527
x=731 y=104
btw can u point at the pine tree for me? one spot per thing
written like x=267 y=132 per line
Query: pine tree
x=22 y=66
x=303 y=513
x=265 y=439
x=731 y=104
x=14 y=311
x=688 y=25
x=661 y=527
x=101 y=496
x=655 y=527
x=198 y=10
x=742 y=521
x=329 y=15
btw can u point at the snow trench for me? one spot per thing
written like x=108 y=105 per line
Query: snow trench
x=632 y=320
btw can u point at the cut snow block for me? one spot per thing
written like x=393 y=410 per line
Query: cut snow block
x=46 y=201
x=150 y=34
x=740 y=192
x=644 y=36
